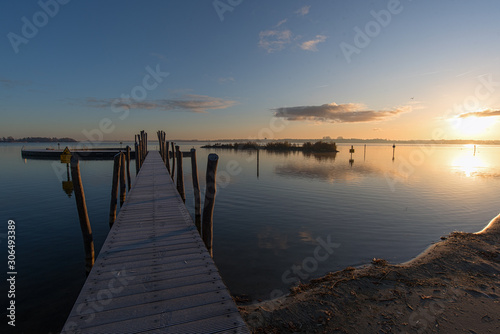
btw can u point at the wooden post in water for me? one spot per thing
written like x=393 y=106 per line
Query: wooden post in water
x=128 y=167
x=88 y=242
x=123 y=184
x=196 y=190
x=393 y=150
x=167 y=156
x=173 y=161
x=137 y=166
x=114 y=190
x=180 y=175
x=258 y=162
x=145 y=145
x=208 y=205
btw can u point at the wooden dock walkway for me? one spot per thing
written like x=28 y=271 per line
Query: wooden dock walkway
x=154 y=274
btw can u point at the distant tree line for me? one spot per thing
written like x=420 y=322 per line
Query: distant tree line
x=11 y=139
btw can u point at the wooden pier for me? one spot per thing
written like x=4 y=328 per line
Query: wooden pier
x=154 y=273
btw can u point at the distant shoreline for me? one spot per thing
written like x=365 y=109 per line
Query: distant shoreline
x=336 y=140
x=37 y=140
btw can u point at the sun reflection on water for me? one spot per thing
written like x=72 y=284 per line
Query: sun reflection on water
x=469 y=165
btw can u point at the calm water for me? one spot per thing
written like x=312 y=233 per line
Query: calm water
x=282 y=218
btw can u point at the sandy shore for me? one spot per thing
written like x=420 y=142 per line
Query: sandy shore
x=453 y=287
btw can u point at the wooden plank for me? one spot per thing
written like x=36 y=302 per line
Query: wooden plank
x=154 y=273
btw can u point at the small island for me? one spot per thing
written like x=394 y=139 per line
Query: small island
x=285 y=146
x=11 y=139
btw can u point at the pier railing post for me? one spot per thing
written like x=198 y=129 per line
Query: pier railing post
x=180 y=175
x=128 y=168
x=123 y=184
x=167 y=156
x=114 y=190
x=88 y=242
x=208 y=206
x=196 y=190
x=136 y=148
x=173 y=161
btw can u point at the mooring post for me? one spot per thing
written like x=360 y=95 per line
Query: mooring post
x=196 y=190
x=123 y=184
x=393 y=150
x=128 y=167
x=208 y=205
x=137 y=167
x=88 y=242
x=167 y=156
x=173 y=161
x=180 y=175
x=258 y=162
x=114 y=190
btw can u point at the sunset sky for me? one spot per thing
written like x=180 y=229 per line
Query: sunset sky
x=103 y=70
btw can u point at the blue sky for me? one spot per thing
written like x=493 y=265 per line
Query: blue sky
x=103 y=70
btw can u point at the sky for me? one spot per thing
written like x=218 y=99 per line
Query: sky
x=223 y=69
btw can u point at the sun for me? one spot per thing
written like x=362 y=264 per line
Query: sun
x=473 y=126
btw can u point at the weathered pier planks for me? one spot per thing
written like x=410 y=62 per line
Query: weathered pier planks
x=154 y=273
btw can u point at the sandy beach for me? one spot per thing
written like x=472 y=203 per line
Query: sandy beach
x=452 y=287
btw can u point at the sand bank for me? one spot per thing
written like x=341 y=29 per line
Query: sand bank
x=452 y=287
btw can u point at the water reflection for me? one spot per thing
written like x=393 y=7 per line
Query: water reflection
x=328 y=172
x=325 y=156
x=472 y=166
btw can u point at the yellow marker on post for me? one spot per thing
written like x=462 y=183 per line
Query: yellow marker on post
x=66 y=156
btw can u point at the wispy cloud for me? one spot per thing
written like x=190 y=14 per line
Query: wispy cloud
x=225 y=80
x=9 y=83
x=274 y=40
x=311 y=45
x=281 y=22
x=190 y=102
x=303 y=11
x=337 y=113
x=483 y=113
x=158 y=55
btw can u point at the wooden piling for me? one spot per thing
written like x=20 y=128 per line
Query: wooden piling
x=123 y=184
x=258 y=162
x=196 y=190
x=137 y=166
x=173 y=161
x=127 y=157
x=180 y=175
x=167 y=156
x=208 y=206
x=114 y=190
x=88 y=242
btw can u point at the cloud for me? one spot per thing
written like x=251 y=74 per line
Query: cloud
x=484 y=113
x=281 y=22
x=9 y=83
x=337 y=113
x=225 y=80
x=158 y=55
x=189 y=102
x=274 y=40
x=303 y=11
x=311 y=45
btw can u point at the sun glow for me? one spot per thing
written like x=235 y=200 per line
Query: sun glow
x=473 y=126
x=469 y=165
